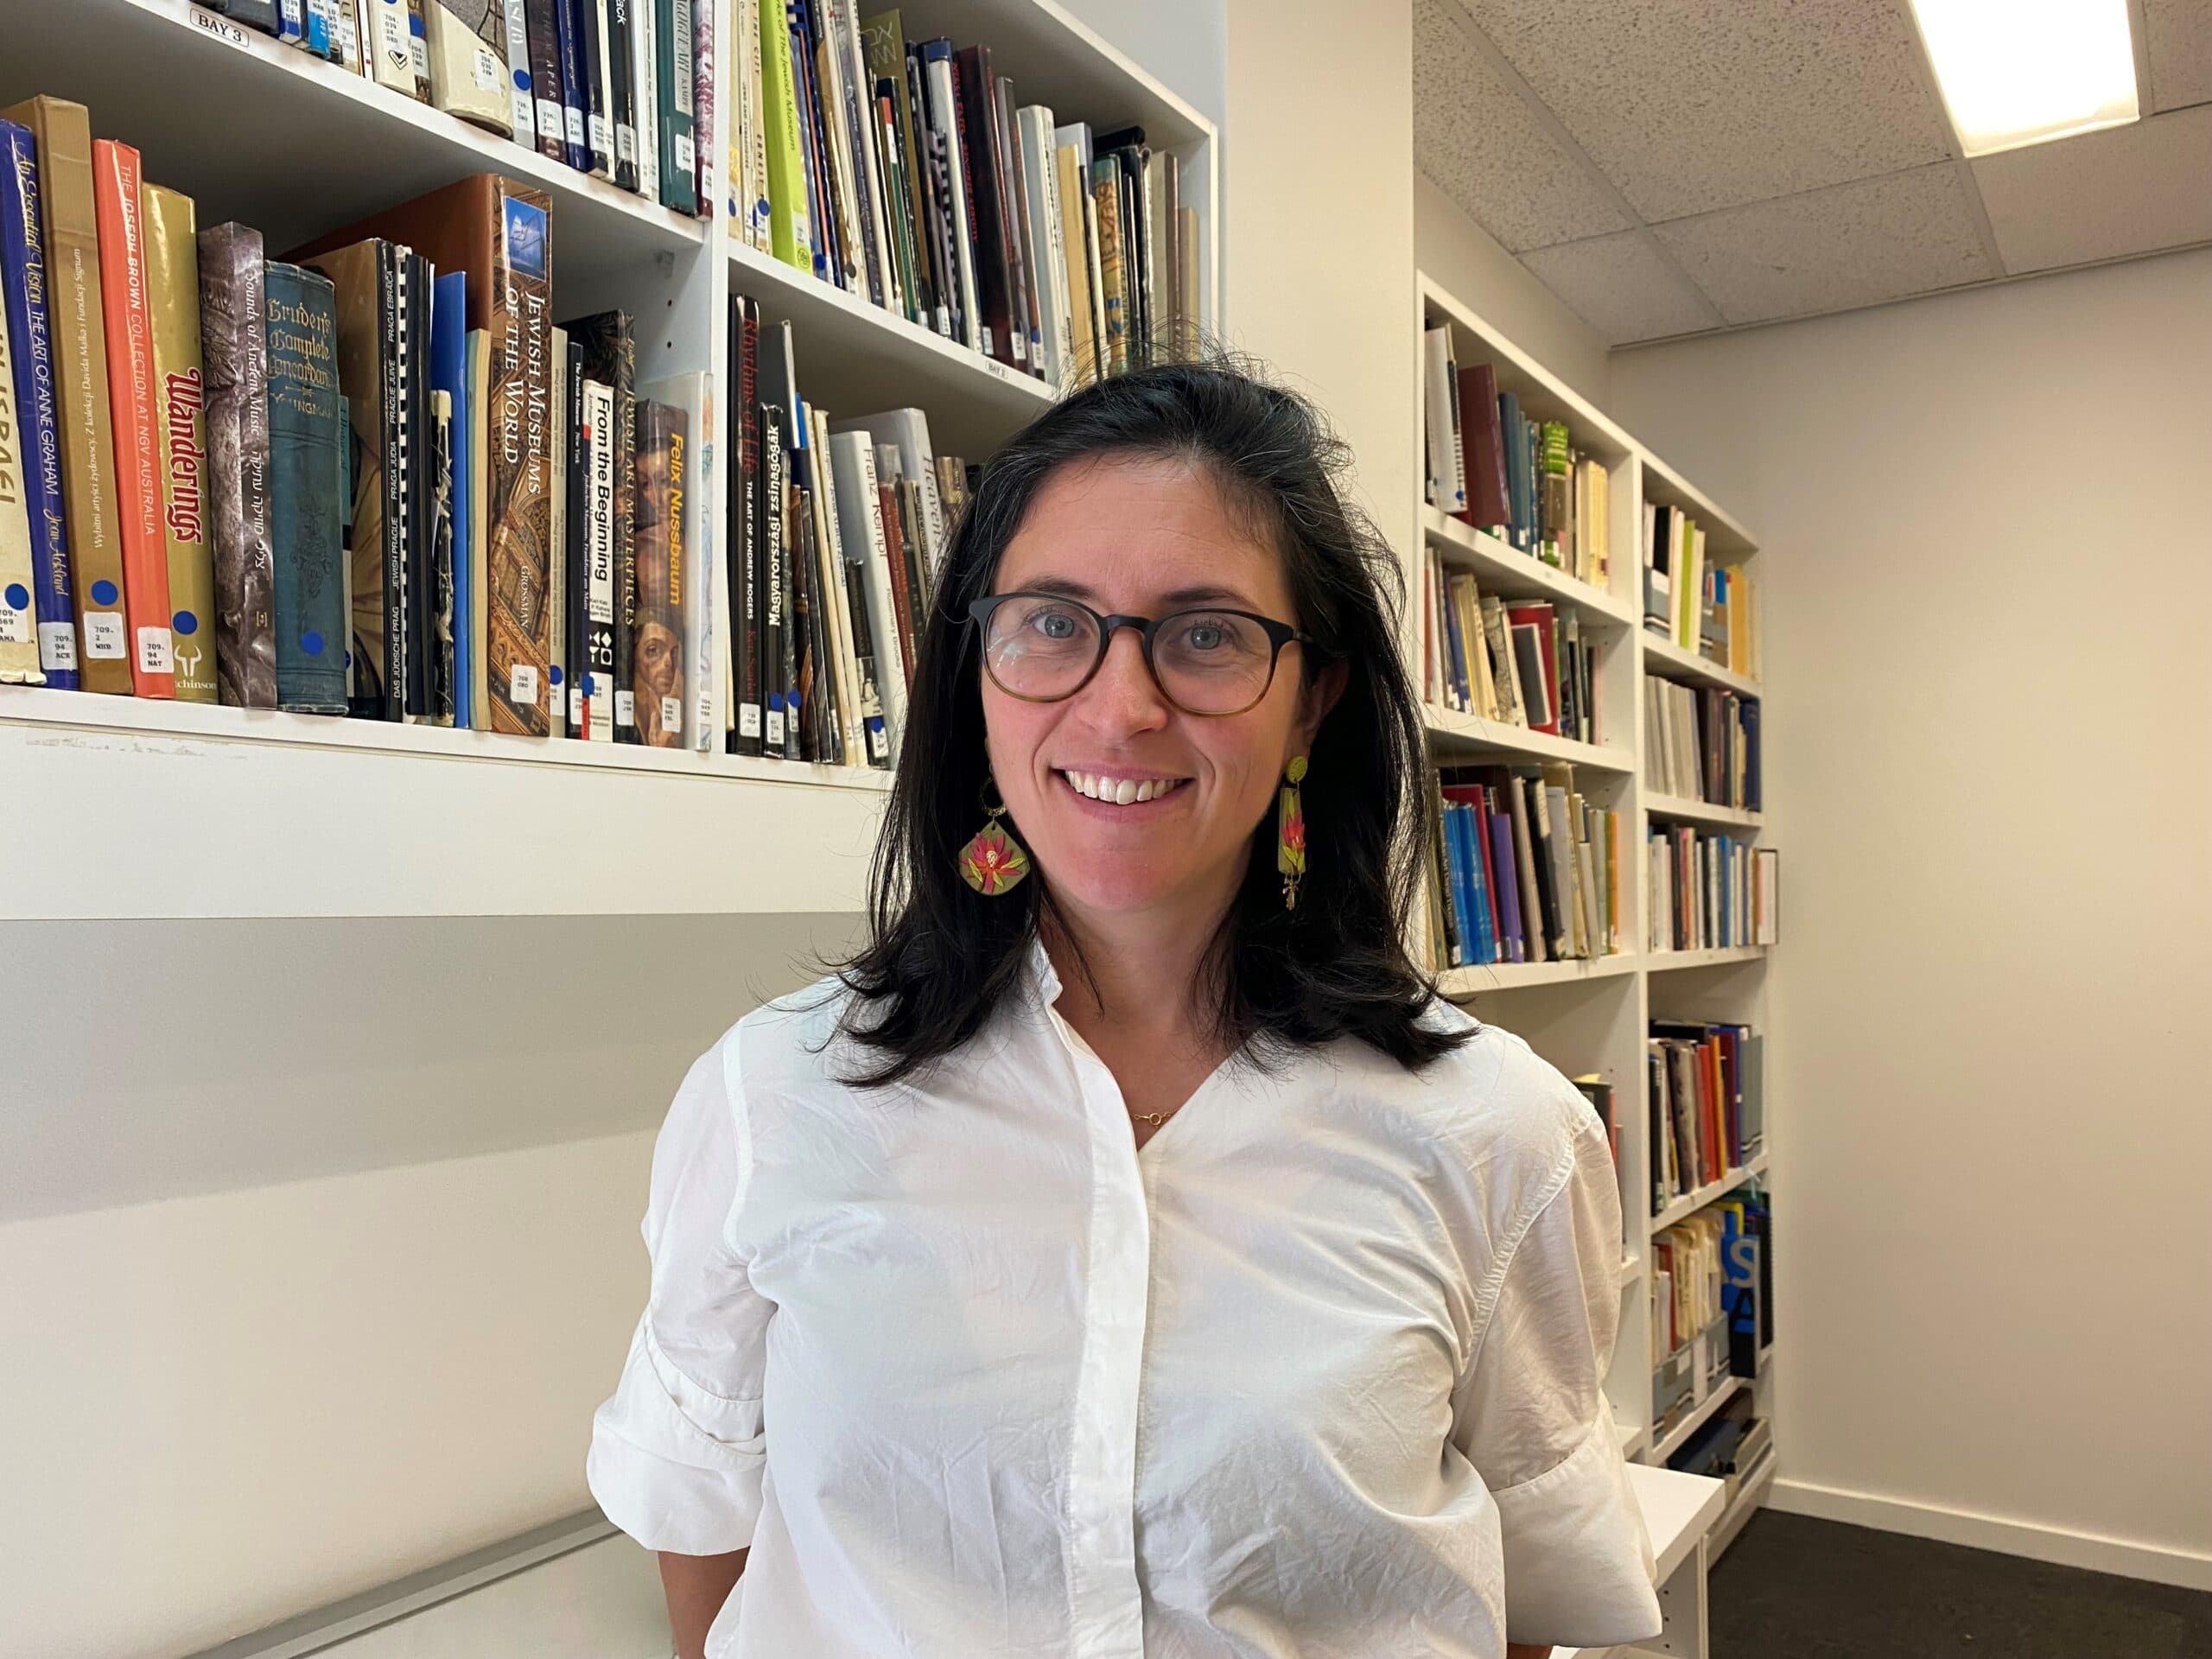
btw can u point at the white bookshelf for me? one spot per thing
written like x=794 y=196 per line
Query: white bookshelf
x=1592 y=1016
x=185 y=810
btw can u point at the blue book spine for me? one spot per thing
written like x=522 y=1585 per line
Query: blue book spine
x=449 y=374
x=1509 y=885
x=1478 y=888
x=1456 y=880
x=1455 y=651
x=23 y=279
x=806 y=86
x=575 y=143
x=306 y=451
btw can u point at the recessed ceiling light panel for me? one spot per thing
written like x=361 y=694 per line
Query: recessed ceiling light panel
x=2023 y=72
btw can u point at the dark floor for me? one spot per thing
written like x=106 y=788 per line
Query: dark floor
x=1791 y=1587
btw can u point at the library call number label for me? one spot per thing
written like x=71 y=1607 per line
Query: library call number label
x=221 y=28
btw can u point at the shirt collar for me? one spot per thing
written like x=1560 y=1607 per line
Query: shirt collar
x=1043 y=977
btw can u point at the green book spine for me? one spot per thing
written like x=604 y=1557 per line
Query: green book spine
x=672 y=45
x=306 y=467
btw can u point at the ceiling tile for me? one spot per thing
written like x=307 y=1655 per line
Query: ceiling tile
x=2178 y=34
x=1851 y=245
x=2131 y=189
x=1475 y=137
x=1621 y=286
x=1689 y=105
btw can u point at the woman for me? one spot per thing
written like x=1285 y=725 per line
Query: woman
x=1127 y=1254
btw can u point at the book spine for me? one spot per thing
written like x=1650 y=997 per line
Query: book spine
x=392 y=46
x=598 y=600
x=180 y=403
x=19 y=662
x=1013 y=224
x=77 y=319
x=857 y=145
x=789 y=222
x=934 y=222
x=23 y=286
x=758 y=211
x=673 y=42
x=1106 y=195
x=235 y=366
x=305 y=439
x=571 y=540
x=440 y=664
x=575 y=150
x=518 y=641
x=622 y=88
x=703 y=108
x=115 y=185
x=541 y=23
x=745 y=526
x=657 y=646
x=521 y=111
x=945 y=124
x=418 y=47
x=645 y=59
x=254 y=14
x=591 y=51
x=768 y=570
x=467 y=44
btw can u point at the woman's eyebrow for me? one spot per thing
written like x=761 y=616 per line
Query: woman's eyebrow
x=1175 y=599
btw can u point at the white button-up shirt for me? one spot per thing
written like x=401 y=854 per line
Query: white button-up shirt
x=1316 y=1374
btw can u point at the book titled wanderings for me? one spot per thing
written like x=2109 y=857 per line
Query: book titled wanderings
x=306 y=440
x=180 y=402
x=496 y=233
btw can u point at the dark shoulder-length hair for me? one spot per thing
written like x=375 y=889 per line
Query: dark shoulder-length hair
x=940 y=957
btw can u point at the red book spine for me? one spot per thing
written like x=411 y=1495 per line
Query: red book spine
x=131 y=407
x=1538 y=615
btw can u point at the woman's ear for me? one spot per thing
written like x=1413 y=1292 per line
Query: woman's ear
x=1320 y=696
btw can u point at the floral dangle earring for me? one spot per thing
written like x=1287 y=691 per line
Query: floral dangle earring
x=1290 y=832
x=993 y=862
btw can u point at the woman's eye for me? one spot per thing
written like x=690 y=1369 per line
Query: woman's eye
x=1053 y=625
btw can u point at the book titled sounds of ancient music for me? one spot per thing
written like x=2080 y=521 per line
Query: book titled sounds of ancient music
x=497 y=235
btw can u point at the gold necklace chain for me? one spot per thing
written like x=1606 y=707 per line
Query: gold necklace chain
x=1153 y=1118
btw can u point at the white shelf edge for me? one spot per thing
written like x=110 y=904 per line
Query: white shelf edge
x=93 y=715
x=1677 y=1436
x=1690 y=1203
x=1490 y=978
x=1489 y=554
x=1680 y=806
x=1661 y=961
x=1688 y=665
x=1582 y=410
x=1520 y=740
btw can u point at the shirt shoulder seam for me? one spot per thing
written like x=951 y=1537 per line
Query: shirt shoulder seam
x=1487 y=1294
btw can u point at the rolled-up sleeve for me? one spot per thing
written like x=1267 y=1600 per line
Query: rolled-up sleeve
x=679 y=1452
x=1532 y=1417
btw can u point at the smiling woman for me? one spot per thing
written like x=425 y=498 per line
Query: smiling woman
x=1128 y=1253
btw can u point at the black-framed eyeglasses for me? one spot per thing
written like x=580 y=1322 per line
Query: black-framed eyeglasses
x=1208 y=660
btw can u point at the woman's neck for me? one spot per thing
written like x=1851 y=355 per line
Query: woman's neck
x=1140 y=975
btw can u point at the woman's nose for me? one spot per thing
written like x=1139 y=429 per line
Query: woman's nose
x=1122 y=696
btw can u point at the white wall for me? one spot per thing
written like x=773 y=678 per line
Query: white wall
x=1474 y=267
x=1990 y=582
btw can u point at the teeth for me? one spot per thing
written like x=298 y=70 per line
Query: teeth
x=1119 y=791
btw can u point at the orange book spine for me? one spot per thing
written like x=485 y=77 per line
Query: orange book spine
x=131 y=410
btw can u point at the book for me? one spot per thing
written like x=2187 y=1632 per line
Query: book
x=496 y=233
x=768 y=572
x=19 y=663
x=392 y=45
x=1440 y=421
x=1109 y=278
x=568 y=52
x=78 y=332
x=565 y=549
x=982 y=182
x=449 y=375
x=852 y=455
x=234 y=351
x=23 y=289
x=1078 y=252
x=673 y=41
x=1481 y=450
x=956 y=211
x=656 y=646
x=789 y=221
x=254 y=14
x=368 y=296
x=595 y=96
x=595 y=604
x=466 y=41
x=1047 y=262
x=606 y=349
x=475 y=690
x=750 y=207
x=703 y=108
x=521 y=111
x=743 y=521
x=306 y=463
x=542 y=30
x=132 y=418
x=688 y=486
x=172 y=265
x=1006 y=153
x=620 y=34
x=644 y=70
